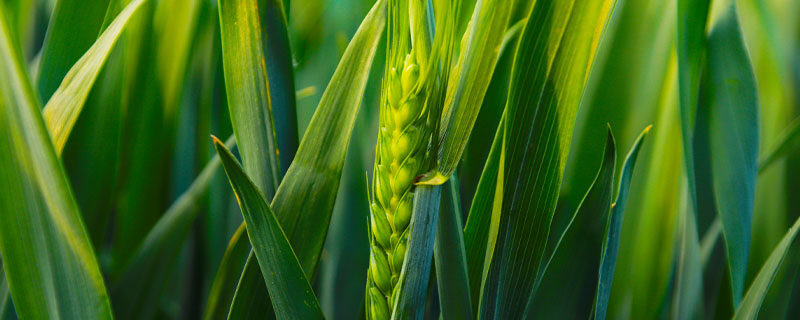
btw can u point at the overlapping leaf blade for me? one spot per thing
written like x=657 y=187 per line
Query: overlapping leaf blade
x=289 y=288
x=611 y=241
x=42 y=239
x=248 y=92
x=72 y=29
x=571 y=277
x=555 y=52
x=728 y=108
x=305 y=198
x=450 y=257
x=137 y=292
x=65 y=105
x=754 y=297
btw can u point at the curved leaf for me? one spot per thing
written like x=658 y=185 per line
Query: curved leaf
x=64 y=107
x=729 y=109
x=751 y=303
x=304 y=201
x=571 y=276
x=608 y=260
x=288 y=287
x=48 y=258
x=555 y=52
x=72 y=29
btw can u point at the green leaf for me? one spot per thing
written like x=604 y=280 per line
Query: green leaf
x=471 y=77
x=571 y=277
x=288 y=287
x=480 y=140
x=42 y=238
x=787 y=141
x=137 y=293
x=413 y=283
x=224 y=286
x=554 y=54
x=477 y=233
x=248 y=92
x=611 y=241
x=754 y=297
x=304 y=201
x=73 y=28
x=691 y=47
x=450 y=257
x=4 y=294
x=729 y=111
x=687 y=297
x=63 y=108
x=280 y=72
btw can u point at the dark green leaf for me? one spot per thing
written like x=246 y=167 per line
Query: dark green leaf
x=450 y=257
x=73 y=28
x=289 y=289
x=728 y=110
x=571 y=277
x=413 y=283
x=248 y=92
x=136 y=294
x=48 y=258
x=751 y=303
x=555 y=52
x=304 y=201
x=611 y=240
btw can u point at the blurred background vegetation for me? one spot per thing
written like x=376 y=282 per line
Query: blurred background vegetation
x=135 y=160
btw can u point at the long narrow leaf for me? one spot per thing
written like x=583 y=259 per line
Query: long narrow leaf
x=473 y=73
x=413 y=283
x=611 y=242
x=450 y=258
x=304 y=201
x=556 y=49
x=729 y=110
x=73 y=28
x=48 y=258
x=63 y=108
x=137 y=292
x=571 y=277
x=248 y=92
x=751 y=303
x=288 y=287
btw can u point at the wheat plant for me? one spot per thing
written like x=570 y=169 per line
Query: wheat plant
x=524 y=159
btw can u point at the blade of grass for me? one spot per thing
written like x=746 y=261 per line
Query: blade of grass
x=571 y=276
x=288 y=287
x=137 y=293
x=548 y=76
x=280 y=72
x=73 y=28
x=754 y=297
x=4 y=294
x=450 y=257
x=66 y=103
x=247 y=88
x=304 y=200
x=729 y=109
x=787 y=141
x=413 y=283
x=48 y=244
x=471 y=77
x=477 y=230
x=611 y=241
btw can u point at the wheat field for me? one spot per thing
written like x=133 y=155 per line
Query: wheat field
x=399 y=159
